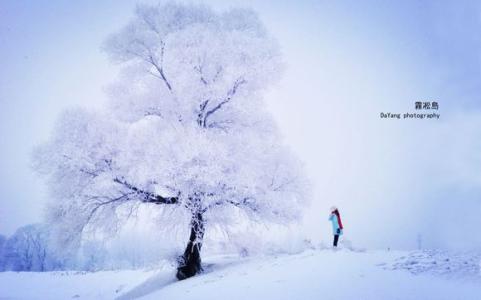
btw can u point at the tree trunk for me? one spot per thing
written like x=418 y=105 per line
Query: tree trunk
x=190 y=262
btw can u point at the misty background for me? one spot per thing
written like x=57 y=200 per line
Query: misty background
x=346 y=62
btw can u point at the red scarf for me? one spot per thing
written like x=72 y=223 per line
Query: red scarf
x=336 y=212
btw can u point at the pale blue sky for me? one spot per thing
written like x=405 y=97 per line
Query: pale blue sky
x=347 y=61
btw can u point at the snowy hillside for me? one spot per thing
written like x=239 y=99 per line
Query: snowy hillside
x=313 y=274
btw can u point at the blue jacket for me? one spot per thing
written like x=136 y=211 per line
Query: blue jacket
x=335 y=225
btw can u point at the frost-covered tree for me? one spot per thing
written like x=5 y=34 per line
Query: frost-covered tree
x=27 y=249
x=185 y=128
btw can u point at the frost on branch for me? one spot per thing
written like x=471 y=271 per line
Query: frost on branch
x=185 y=131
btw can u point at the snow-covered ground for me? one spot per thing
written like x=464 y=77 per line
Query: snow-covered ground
x=313 y=274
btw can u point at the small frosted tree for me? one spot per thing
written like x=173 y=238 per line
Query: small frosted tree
x=185 y=128
x=27 y=249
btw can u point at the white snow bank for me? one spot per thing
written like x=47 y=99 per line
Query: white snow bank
x=458 y=265
x=69 y=285
x=318 y=275
x=314 y=274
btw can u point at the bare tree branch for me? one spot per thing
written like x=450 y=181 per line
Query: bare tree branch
x=150 y=24
x=152 y=60
x=201 y=74
x=200 y=115
x=230 y=94
x=280 y=186
x=92 y=212
x=244 y=203
x=160 y=69
x=147 y=196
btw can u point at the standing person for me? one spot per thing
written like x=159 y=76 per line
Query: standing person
x=337 y=227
